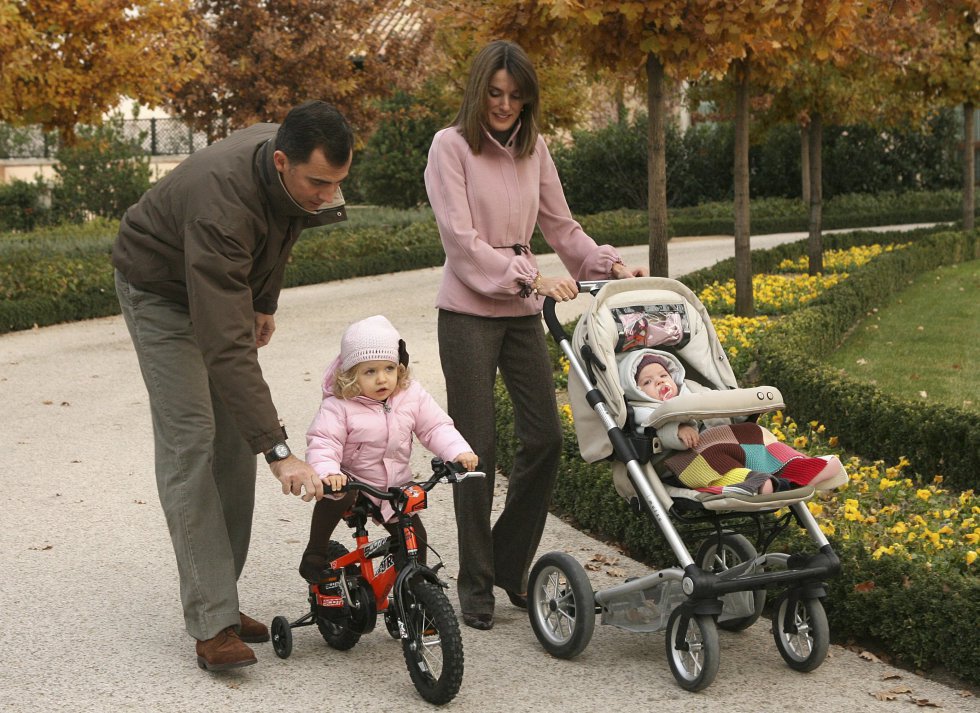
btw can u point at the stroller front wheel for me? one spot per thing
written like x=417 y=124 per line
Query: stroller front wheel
x=693 y=651
x=561 y=605
x=802 y=634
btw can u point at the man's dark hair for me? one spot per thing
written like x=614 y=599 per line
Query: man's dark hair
x=315 y=125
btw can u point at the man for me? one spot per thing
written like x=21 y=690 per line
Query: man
x=199 y=266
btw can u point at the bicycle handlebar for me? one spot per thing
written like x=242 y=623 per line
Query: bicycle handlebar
x=442 y=472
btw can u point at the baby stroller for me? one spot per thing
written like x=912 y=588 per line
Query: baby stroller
x=724 y=584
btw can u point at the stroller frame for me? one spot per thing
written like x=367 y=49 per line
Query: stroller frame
x=725 y=588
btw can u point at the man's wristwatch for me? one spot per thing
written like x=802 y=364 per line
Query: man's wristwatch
x=280 y=451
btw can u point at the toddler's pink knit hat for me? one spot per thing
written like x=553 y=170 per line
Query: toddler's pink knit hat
x=371 y=339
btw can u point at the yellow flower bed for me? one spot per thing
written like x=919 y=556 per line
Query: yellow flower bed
x=772 y=294
x=840 y=260
x=888 y=512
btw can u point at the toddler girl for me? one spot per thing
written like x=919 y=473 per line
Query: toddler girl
x=370 y=410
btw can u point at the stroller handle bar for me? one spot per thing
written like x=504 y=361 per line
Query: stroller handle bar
x=442 y=472
x=551 y=319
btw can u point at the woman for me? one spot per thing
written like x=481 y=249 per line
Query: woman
x=490 y=179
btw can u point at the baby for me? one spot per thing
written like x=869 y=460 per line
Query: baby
x=742 y=458
x=653 y=378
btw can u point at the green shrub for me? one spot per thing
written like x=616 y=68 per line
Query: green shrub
x=101 y=174
x=23 y=205
x=606 y=169
x=390 y=170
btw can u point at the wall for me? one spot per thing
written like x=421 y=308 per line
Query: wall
x=26 y=169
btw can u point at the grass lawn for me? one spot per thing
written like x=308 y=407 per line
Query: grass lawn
x=925 y=343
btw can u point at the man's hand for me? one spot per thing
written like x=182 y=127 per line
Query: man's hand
x=265 y=325
x=297 y=477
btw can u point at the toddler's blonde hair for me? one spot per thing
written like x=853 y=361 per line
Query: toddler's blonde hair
x=345 y=382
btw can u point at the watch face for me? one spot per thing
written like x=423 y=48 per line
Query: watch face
x=281 y=450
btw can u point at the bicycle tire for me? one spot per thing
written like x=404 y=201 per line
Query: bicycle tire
x=434 y=647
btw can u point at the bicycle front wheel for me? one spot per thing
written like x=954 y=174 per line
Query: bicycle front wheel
x=433 y=648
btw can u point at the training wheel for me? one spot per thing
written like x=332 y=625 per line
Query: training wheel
x=282 y=637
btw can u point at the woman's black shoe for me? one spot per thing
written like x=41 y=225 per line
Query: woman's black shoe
x=483 y=622
x=518 y=600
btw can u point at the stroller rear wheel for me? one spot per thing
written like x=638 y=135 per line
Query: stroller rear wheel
x=561 y=605
x=693 y=651
x=715 y=556
x=802 y=634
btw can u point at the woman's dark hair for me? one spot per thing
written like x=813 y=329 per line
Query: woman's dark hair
x=315 y=125
x=472 y=116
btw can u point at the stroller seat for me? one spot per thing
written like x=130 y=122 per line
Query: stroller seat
x=664 y=315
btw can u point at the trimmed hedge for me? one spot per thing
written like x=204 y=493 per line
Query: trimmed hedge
x=48 y=296
x=935 y=438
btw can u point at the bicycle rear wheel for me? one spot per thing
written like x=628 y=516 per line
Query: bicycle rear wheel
x=434 y=648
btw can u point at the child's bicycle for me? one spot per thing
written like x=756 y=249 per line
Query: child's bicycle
x=346 y=600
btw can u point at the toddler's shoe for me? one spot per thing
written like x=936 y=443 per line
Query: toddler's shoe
x=223 y=652
x=311 y=566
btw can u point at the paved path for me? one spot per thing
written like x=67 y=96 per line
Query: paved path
x=88 y=600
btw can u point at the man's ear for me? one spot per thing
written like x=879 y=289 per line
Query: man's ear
x=280 y=160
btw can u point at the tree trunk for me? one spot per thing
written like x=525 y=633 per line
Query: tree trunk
x=814 y=243
x=657 y=166
x=805 y=161
x=743 y=249
x=969 y=168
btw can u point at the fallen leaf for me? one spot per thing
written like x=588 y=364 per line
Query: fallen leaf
x=140 y=502
x=891 y=677
x=615 y=572
x=864 y=587
x=924 y=702
x=862 y=361
x=41 y=549
x=47 y=402
x=923 y=394
x=65 y=403
x=593 y=567
x=920 y=328
x=965 y=693
x=868 y=656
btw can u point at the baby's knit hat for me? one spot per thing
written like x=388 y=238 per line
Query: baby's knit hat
x=371 y=339
x=647 y=360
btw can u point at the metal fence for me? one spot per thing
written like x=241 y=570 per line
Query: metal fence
x=158 y=137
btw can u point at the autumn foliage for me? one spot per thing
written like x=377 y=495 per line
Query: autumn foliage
x=67 y=62
x=263 y=58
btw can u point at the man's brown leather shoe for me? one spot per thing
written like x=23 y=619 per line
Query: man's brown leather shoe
x=252 y=631
x=223 y=652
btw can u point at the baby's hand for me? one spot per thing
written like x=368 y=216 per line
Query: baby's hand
x=688 y=435
x=467 y=460
x=335 y=480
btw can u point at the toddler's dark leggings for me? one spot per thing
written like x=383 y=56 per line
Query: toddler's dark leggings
x=327 y=515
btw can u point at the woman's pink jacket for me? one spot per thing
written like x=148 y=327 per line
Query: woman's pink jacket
x=373 y=440
x=487 y=203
